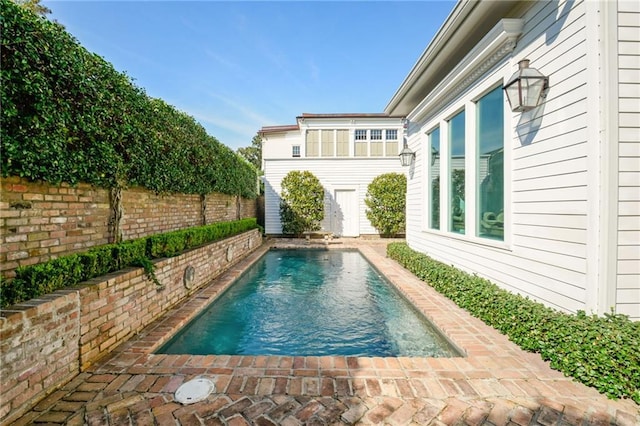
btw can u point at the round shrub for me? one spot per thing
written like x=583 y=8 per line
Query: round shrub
x=386 y=202
x=302 y=204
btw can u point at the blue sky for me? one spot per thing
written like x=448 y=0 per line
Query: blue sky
x=238 y=66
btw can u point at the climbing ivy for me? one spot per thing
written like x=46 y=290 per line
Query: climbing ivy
x=599 y=351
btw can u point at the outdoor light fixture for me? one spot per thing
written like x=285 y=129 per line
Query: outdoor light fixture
x=526 y=88
x=406 y=155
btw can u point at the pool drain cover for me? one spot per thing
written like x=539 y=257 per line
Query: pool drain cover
x=194 y=391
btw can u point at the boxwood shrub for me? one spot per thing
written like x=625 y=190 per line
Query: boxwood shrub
x=599 y=351
x=66 y=271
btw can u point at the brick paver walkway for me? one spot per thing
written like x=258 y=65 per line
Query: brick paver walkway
x=496 y=383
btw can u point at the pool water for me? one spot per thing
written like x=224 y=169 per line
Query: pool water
x=310 y=302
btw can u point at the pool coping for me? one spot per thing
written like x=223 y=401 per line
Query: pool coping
x=496 y=383
x=453 y=348
x=493 y=365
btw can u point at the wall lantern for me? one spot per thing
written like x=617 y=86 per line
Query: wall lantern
x=406 y=155
x=526 y=88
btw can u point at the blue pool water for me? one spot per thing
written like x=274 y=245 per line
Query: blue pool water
x=310 y=302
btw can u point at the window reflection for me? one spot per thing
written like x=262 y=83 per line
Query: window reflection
x=457 y=173
x=434 y=178
x=490 y=165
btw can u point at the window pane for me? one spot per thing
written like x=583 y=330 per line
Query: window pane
x=295 y=150
x=456 y=173
x=434 y=179
x=376 y=135
x=490 y=160
x=361 y=135
x=391 y=135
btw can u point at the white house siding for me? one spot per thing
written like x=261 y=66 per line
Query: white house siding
x=333 y=173
x=551 y=170
x=628 y=232
x=279 y=145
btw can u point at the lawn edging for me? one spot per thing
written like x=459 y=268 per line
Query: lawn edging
x=599 y=351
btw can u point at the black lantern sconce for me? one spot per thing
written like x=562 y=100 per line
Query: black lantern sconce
x=406 y=155
x=526 y=88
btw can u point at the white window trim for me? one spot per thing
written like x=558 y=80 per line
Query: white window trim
x=468 y=103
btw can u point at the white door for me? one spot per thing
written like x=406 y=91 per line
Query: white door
x=344 y=213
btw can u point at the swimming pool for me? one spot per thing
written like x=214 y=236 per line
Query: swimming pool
x=310 y=302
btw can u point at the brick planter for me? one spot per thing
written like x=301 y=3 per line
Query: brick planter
x=45 y=342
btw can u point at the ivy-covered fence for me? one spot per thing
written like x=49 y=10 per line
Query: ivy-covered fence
x=69 y=116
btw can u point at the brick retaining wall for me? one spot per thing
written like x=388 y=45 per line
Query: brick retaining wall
x=47 y=341
x=146 y=213
x=39 y=221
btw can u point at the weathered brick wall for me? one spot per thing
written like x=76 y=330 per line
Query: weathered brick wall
x=116 y=307
x=38 y=351
x=39 y=221
x=146 y=213
x=248 y=208
x=220 y=208
x=47 y=341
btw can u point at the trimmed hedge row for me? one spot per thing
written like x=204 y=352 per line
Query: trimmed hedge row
x=601 y=352
x=69 y=116
x=66 y=271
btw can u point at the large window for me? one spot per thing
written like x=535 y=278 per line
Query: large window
x=456 y=173
x=434 y=178
x=490 y=165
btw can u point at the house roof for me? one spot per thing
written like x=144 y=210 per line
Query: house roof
x=278 y=129
x=467 y=23
x=348 y=115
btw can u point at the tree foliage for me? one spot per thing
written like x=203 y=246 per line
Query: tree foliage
x=386 y=202
x=34 y=6
x=302 y=204
x=69 y=116
x=253 y=153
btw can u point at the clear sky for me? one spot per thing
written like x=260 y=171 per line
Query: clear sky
x=238 y=66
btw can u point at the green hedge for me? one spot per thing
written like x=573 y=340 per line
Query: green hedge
x=601 y=352
x=35 y=280
x=69 y=116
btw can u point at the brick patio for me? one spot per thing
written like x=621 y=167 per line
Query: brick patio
x=496 y=383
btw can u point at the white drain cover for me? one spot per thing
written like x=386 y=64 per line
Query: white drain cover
x=194 y=391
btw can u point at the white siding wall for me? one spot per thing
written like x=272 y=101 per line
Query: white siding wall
x=549 y=185
x=628 y=256
x=278 y=145
x=333 y=174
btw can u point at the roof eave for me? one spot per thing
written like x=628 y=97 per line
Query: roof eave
x=451 y=41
